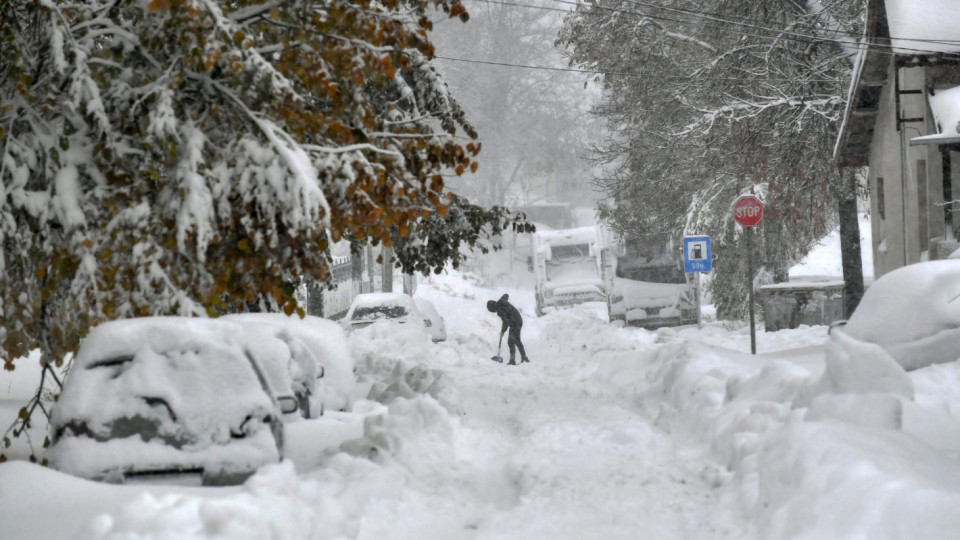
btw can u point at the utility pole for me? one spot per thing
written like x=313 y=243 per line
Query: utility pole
x=387 y=277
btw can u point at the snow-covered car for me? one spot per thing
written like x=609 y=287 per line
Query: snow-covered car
x=167 y=399
x=369 y=308
x=913 y=313
x=317 y=356
x=652 y=305
x=437 y=328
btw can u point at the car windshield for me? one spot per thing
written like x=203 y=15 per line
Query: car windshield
x=379 y=312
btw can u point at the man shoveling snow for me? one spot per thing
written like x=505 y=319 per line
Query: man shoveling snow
x=514 y=322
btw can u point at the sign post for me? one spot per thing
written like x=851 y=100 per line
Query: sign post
x=748 y=211
x=697 y=258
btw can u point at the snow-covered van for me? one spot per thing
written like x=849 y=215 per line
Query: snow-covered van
x=649 y=287
x=571 y=266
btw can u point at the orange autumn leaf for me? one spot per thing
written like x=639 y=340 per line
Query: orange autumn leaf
x=159 y=5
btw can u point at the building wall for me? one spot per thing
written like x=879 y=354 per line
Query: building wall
x=915 y=179
x=885 y=172
x=904 y=180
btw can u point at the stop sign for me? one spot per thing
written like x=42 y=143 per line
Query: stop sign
x=747 y=210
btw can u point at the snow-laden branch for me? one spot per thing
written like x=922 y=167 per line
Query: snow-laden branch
x=673 y=35
x=196 y=201
x=253 y=60
x=823 y=106
x=251 y=12
x=352 y=148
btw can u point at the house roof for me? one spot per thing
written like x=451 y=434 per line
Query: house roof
x=945 y=106
x=925 y=33
x=863 y=100
x=928 y=28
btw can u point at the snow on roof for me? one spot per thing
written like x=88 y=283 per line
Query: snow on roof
x=568 y=237
x=923 y=26
x=844 y=131
x=545 y=203
x=382 y=299
x=945 y=105
x=806 y=282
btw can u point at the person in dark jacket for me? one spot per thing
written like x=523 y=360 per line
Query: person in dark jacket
x=514 y=322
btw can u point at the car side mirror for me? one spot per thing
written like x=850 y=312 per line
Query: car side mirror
x=287 y=404
x=428 y=323
x=836 y=324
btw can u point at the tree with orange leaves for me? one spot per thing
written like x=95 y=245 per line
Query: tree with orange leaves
x=189 y=156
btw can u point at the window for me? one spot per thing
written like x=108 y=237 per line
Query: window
x=881 y=202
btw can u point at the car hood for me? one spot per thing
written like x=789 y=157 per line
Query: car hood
x=913 y=313
x=88 y=457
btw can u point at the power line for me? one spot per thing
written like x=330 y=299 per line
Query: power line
x=625 y=73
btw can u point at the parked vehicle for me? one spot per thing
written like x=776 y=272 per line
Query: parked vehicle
x=571 y=266
x=167 y=399
x=316 y=355
x=650 y=288
x=369 y=308
x=437 y=328
x=912 y=313
x=553 y=215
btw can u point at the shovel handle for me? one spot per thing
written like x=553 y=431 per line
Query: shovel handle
x=500 y=344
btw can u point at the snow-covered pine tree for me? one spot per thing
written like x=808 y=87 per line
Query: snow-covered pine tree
x=178 y=156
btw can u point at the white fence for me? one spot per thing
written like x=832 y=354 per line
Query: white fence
x=336 y=301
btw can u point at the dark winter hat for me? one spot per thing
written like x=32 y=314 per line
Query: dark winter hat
x=492 y=306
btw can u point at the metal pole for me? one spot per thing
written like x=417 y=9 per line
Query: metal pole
x=753 y=332
x=699 y=305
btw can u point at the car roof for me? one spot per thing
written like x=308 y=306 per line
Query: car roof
x=425 y=305
x=127 y=336
x=382 y=299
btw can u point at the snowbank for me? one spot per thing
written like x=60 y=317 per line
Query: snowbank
x=913 y=313
x=839 y=452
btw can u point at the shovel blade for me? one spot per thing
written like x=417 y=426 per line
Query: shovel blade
x=498 y=359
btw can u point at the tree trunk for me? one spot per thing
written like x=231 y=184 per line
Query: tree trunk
x=368 y=278
x=314 y=297
x=356 y=262
x=850 y=242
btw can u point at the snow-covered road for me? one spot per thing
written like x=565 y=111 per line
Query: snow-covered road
x=556 y=454
x=582 y=462
x=608 y=433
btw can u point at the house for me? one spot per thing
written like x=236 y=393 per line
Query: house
x=903 y=122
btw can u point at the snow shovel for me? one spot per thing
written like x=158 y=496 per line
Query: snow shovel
x=498 y=358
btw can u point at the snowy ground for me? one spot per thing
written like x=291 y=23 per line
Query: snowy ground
x=608 y=433
x=824 y=258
